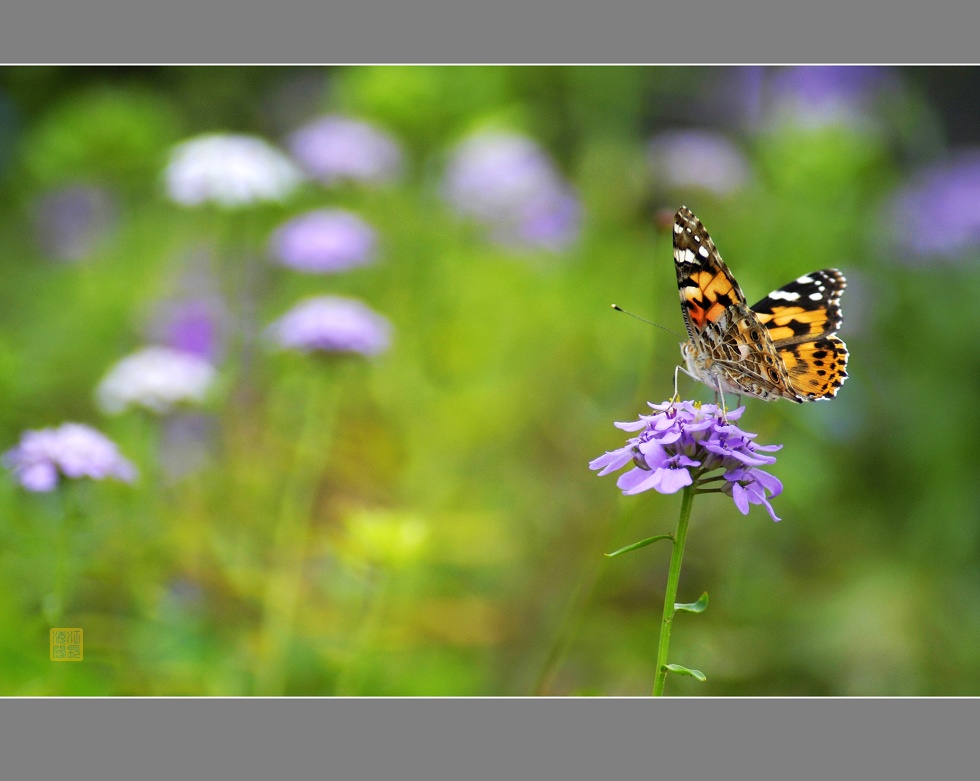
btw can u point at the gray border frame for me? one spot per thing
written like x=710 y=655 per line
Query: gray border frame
x=472 y=739
x=486 y=739
x=534 y=31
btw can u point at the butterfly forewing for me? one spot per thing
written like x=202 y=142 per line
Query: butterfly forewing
x=707 y=288
x=805 y=309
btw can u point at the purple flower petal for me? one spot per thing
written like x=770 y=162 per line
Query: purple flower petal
x=631 y=425
x=672 y=480
x=611 y=461
x=741 y=498
x=636 y=480
x=653 y=453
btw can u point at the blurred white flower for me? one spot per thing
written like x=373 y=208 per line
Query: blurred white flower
x=229 y=170
x=156 y=378
x=698 y=158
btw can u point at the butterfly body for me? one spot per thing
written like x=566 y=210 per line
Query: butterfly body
x=782 y=347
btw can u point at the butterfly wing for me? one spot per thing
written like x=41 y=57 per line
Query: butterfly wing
x=706 y=286
x=805 y=309
x=802 y=318
x=816 y=369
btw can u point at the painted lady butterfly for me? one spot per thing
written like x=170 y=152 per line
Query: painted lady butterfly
x=783 y=347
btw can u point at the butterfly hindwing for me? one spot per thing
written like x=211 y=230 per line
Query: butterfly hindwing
x=816 y=369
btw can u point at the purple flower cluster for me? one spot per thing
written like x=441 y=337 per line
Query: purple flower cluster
x=73 y=450
x=508 y=183
x=937 y=214
x=332 y=324
x=324 y=241
x=682 y=443
x=334 y=148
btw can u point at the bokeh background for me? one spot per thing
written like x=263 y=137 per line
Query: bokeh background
x=414 y=514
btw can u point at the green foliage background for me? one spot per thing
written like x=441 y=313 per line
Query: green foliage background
x=456 y=534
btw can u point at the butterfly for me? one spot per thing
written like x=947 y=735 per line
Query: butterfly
x=783 y=347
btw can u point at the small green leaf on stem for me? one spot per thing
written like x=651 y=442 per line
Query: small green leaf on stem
x=676 y=668
x=693 y=607
x=640 y=544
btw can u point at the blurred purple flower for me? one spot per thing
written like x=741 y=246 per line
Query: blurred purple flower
x=698 y=158
x=331 y=324
x=507 y=182
x=324 y=241
x=230 y=171
x=157 y=379
x=817 y=95
x=334 y=148
x=74 y=450
x=72 y=221
x=182 y=597
x=682 y=444
x=937 y=214
x=189 y=325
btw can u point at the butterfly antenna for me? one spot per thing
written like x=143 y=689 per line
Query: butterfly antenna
x=618 y=308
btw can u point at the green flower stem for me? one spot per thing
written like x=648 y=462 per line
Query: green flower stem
x=64 y=531
x=351 y=675
x=292 y=530
x=676 y=556
x=57 y=604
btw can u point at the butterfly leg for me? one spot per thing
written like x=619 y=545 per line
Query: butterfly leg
x=676 y=396
x=720 y=399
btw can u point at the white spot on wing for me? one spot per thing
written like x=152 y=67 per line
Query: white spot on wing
x=816 y=296
x=783 y=295
x=804 y=280
x=703 y=251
